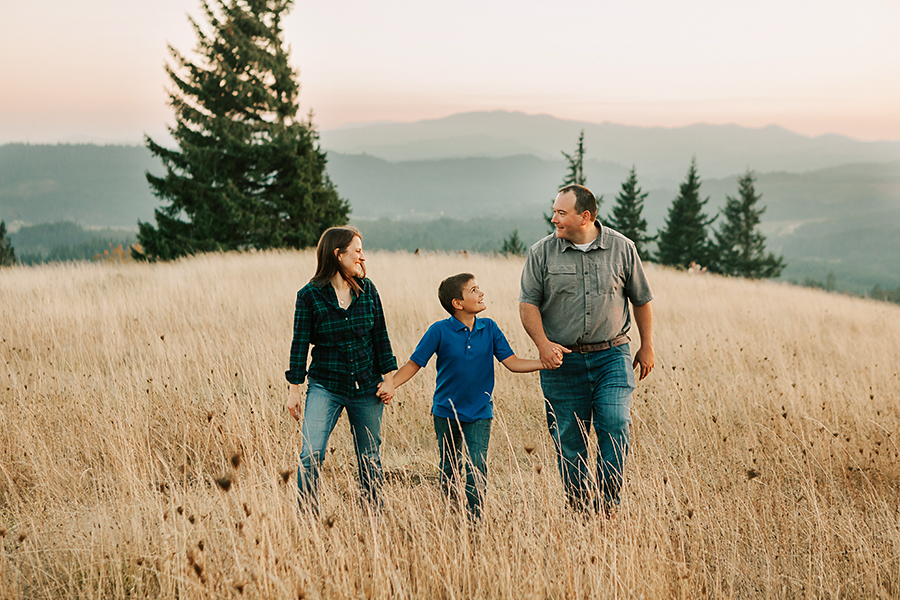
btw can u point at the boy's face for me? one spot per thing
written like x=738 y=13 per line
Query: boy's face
x=472 y=299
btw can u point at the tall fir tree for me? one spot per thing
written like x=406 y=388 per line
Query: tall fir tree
x=7 y=253
x=247 y=172
x=626 y=216
x=740 y=248
x=574 y=175
x=683 y=240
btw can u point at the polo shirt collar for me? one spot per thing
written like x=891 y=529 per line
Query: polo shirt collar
x=459 y=326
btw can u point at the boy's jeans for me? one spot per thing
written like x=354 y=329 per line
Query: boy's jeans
x=320 y=415
x=464 y=443
x=594 y=387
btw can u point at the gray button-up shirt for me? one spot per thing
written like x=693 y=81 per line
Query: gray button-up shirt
x=582 y=295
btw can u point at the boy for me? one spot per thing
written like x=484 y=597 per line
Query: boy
x=463 y=409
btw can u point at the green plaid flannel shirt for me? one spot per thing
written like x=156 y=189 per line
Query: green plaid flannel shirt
x=351 y=350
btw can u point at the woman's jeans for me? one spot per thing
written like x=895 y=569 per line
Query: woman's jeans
x=319 y=418
x=464 y=444
x=590 y=388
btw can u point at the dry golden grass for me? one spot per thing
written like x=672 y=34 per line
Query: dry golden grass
x=764 y=458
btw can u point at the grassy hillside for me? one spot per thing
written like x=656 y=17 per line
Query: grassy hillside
x=765 y=457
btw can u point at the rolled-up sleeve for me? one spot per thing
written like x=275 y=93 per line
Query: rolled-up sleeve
x=532 y=282
x=300 y=344
x=637 y=287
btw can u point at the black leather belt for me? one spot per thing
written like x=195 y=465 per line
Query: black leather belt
x=585 y=348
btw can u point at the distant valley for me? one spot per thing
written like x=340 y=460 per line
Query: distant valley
x=833 y=204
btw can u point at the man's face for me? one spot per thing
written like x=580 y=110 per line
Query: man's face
x=472 y=298
x=569 y=224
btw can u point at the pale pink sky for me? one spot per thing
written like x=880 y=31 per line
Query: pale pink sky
x=94 y=69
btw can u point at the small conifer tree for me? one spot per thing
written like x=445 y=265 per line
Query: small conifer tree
x=740 y=248
x=626 y=217
x=7 y=253
x=513 y=246
x=683 y=240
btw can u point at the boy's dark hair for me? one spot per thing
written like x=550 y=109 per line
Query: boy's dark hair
x=584 y=199
x=452 y=289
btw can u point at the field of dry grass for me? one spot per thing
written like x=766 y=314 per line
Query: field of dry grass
x=764 y=464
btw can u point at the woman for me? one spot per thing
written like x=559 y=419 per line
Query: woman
x=339 y=312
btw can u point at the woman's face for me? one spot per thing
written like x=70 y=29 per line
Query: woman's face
x=352 y=259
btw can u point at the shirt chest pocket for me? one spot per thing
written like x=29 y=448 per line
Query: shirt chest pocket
x=562 y=279
x=609 y=278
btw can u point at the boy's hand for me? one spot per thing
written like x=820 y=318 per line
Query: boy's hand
x=552 y=355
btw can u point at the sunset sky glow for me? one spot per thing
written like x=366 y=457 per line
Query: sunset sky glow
x=93 y=70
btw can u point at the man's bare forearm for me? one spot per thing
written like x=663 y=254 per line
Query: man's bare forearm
x=533 y=323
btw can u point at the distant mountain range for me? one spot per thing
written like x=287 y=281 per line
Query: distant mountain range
x=657 y=152
x=833 y=203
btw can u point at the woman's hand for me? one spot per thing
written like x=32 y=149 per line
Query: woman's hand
x=385 y=391
x=293 y=401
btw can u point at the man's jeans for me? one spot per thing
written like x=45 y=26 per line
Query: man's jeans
x=594 y=387
x=319 y=418
x=464 y=443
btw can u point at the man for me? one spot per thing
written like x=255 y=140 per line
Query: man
x=576 y=287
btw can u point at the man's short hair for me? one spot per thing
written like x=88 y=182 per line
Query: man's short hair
x=584 y=199
x=452 y=289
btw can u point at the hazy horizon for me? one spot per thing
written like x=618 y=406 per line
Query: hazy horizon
x=94 y=70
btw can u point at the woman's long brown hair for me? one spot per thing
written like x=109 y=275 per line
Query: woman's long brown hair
x=327 y=264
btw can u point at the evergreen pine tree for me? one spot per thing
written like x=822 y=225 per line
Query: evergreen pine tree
x=626 y=216
x=247 y=172
x=574 y=175
x=683 y=239
x=513 y=245
x=740 y=248
x=7 y=254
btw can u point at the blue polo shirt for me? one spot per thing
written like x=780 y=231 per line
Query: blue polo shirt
x=465 y=366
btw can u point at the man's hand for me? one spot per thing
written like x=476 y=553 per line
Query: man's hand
x=552 y=355
x=645 y=357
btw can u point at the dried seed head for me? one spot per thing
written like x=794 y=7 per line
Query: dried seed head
x=192 y=519
x=752 y=474
x=22 y=537
x=239 y=587
x=2 y=531
x=200 y=545
x=537 y=469
x=209 y=416
x=329 y=521
x=180 y=510
x=247 y=510
x=285 y=475
x=236 y=460
x=529 y=448
x=225 y=482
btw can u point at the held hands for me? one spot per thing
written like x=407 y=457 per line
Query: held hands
x=385 y=391
x=552 y=355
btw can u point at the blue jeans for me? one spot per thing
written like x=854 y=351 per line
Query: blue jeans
x=319 y=418
x=590 y=388
x=464 y=443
